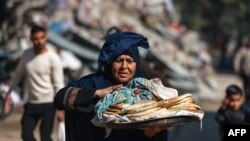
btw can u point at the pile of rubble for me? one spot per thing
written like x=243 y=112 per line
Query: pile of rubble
x=80 y=27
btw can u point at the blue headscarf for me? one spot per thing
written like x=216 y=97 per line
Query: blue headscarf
x=120 y=43
x=115 y=45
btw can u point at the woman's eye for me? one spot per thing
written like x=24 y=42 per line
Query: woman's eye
x=118 y=61
x=130 y=61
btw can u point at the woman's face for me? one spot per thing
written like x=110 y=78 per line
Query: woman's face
x=123 y=68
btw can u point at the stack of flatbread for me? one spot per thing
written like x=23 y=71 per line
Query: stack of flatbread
x=152 y=109
x=183 y=102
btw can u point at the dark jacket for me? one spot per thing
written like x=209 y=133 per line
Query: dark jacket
x=78 y=121
x=246 y=109
x=229 y=117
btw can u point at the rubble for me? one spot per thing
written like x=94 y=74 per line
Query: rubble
x=181 y=52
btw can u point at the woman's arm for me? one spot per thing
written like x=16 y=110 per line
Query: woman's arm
x=72 y=97
x=69 y=97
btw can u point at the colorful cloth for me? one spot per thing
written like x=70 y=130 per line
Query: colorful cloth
x=136 y=90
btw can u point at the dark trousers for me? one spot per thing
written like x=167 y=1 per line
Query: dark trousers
x=32 y=114
x=246 y=83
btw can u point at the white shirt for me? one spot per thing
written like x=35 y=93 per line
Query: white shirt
x=43 y=75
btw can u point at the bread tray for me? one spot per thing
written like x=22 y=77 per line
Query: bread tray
x=166 y=121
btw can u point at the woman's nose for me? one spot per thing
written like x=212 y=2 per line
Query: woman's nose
x=124 y=64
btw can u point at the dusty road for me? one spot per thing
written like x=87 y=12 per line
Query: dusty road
x=10 y=128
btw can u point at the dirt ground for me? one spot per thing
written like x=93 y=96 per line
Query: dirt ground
x=10 y=127
x=210 y=101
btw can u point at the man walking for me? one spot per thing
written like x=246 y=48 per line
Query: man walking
x=43 y=75
x=242 y=66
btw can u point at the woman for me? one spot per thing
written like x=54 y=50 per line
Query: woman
x=119 y=62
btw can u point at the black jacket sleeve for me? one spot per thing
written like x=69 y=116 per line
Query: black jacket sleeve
x=246 y=109
x=58 y=100
x=220 y=116
x=83 y=98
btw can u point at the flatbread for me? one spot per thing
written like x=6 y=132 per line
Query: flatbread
x=138 y=105
x=149 y=116
x=143 y=113
x=144 y=108
x=119 y=106
x=179 y=98
x=187 y=98
x=111 y=113
x=113 y=110
x=186 y=106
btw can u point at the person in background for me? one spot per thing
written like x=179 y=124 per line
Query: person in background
x=43 y=75
x=119 y=62
x=242 y=66
x=4 y=87
x=231 y=111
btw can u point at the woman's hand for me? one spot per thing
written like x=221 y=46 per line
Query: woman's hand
x=100 y=93
x=150 y=132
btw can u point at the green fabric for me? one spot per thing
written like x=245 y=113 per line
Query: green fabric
x=125 y=95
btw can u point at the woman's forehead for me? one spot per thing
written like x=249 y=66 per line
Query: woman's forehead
x=124 y=55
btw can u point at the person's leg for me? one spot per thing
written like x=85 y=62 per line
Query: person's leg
x=245 y=84
x=247 y=88
x=47 y=121
x=28 y=122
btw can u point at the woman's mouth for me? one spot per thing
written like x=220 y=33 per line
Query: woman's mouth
x=123 y=75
